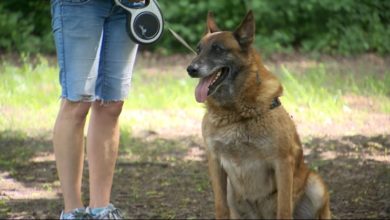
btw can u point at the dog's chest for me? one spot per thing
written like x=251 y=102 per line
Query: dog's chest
x=246 y=157
x=252 y=180
x=238 y=142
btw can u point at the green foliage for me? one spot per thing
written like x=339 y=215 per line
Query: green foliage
x=188 y=18
x=325 y=26
x=25 y=27
x=343 y=27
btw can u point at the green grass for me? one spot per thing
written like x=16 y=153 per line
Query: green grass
x=161 y=92
x=311 y=93
x=319 y=91
x=36 y=87
x=29 y=94
x=32 y=87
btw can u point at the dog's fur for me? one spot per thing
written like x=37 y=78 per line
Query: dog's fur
x=254 y=153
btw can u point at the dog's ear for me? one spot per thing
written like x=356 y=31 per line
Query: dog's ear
x=245 y=32
x=211 y=25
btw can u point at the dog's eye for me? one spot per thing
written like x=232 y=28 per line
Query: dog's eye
x=217 y=47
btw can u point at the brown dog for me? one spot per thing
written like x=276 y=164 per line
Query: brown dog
x=254 y=153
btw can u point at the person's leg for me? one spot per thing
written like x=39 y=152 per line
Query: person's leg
x=68 y=136
x=102 y=148
x=117 y=59
x=77 y=29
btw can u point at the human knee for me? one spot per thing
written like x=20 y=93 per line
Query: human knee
x=111 y=109
x=75 y=110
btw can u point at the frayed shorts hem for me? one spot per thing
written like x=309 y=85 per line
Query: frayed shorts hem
x=96 y=99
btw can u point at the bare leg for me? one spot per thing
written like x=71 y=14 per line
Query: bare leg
x=102 y=150
x=68 y=138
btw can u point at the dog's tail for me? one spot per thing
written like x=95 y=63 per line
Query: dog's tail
x=324 y=212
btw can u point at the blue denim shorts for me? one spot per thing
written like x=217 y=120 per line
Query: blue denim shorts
x=95 y=55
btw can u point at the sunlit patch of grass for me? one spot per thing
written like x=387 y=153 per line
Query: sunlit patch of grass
x=161 y=92
x=316 y=94
x=29 y=86
x=4 y=207
x=384 y=103
x=29 y=94
x=310 y=94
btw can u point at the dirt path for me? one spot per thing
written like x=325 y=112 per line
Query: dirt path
x=160 y=177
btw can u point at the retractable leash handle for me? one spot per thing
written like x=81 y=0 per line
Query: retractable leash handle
x=145 y=24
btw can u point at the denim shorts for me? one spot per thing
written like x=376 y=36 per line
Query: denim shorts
x=95 y=55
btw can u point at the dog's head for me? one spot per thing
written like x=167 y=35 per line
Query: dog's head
x=222 y=56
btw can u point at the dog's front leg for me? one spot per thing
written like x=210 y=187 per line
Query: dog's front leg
x=284 y=182
x=219 y=183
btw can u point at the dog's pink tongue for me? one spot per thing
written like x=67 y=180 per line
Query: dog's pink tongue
x=202 y=88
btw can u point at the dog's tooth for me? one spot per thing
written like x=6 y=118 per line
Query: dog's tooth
x=218 y=74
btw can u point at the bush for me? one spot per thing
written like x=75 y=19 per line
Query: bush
x=25 y=27
x=188 y=18
x=325 y=26
x=346 y=27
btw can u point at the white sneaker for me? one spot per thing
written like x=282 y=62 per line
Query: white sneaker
x=108 y=212
x=79 y=213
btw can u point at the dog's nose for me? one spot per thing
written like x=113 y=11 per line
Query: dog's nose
x=193 y=70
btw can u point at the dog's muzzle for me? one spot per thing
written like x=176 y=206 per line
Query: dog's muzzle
x=193 y=70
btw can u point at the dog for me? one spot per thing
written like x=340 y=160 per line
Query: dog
x=254 y=153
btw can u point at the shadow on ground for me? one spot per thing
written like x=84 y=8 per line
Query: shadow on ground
x=167 y=178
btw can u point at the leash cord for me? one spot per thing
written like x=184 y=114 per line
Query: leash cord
x=179 y=38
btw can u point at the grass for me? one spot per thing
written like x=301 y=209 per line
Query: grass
x=29 y=93
x=161 y=92
x=319 y=91
x=312 y=93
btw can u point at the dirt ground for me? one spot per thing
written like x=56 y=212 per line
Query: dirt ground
x=167 y=178
x=163 y=173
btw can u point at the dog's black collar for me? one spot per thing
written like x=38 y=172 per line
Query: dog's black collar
x=275 y=103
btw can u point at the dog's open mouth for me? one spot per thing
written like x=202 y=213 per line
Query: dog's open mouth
x=209 y=84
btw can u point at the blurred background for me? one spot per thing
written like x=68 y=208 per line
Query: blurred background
x=331 y=56
x=342 y=27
